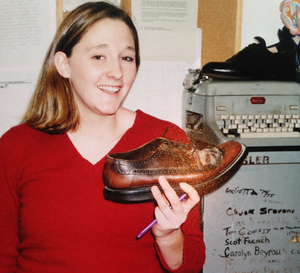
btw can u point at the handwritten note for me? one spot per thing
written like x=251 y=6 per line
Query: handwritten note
x=252 y=223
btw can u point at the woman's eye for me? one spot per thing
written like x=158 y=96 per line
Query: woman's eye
x=98 y=57
x=128 y=59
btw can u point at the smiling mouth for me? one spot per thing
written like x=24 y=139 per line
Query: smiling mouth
x=109 y=89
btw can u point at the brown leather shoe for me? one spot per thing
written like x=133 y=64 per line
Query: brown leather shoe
x=129 y=176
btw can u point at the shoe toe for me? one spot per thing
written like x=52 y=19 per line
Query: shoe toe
x=231 y=151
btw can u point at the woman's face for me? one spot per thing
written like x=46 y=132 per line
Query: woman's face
x=102 y=67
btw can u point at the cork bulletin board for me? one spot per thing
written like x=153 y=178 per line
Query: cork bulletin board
x=221 y=24
x=220 y=21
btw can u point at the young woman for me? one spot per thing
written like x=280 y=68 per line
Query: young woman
x=54 y=217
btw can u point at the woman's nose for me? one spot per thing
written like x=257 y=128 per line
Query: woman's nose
x=115 y=69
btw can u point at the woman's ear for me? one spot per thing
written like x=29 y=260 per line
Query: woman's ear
x=62 y=64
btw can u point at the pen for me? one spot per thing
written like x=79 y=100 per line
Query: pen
x=147 y=228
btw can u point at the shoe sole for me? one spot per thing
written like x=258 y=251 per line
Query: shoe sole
x=143 y=194
x=226 y=77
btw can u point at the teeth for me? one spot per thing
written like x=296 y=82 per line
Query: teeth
x=107 y=88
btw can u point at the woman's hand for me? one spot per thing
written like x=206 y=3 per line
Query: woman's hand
x=170 y=214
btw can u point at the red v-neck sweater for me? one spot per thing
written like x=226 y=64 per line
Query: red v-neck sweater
x=54 y=218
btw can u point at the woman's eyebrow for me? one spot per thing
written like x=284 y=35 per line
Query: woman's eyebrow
x=131 y=48
x=97 y=46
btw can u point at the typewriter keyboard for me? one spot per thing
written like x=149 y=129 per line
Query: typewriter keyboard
x=260 y=126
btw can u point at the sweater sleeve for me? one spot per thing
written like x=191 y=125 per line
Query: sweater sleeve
x=194 y=247
x=8 y=207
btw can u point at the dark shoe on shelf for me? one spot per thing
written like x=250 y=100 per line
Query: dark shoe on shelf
x=129 y=176
x=255 y=62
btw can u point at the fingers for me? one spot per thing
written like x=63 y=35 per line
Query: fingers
x=170 y=212
x=166 y=212
x=168 y=191
x=169 y=203
x=193 y=195
x=161 y=200
x=172 y=197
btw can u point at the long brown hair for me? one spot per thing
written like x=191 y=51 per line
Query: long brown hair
x=52 y=108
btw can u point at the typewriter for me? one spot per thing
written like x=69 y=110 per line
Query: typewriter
x=256 y=113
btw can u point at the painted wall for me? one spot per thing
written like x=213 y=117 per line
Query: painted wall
x=260 y=18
